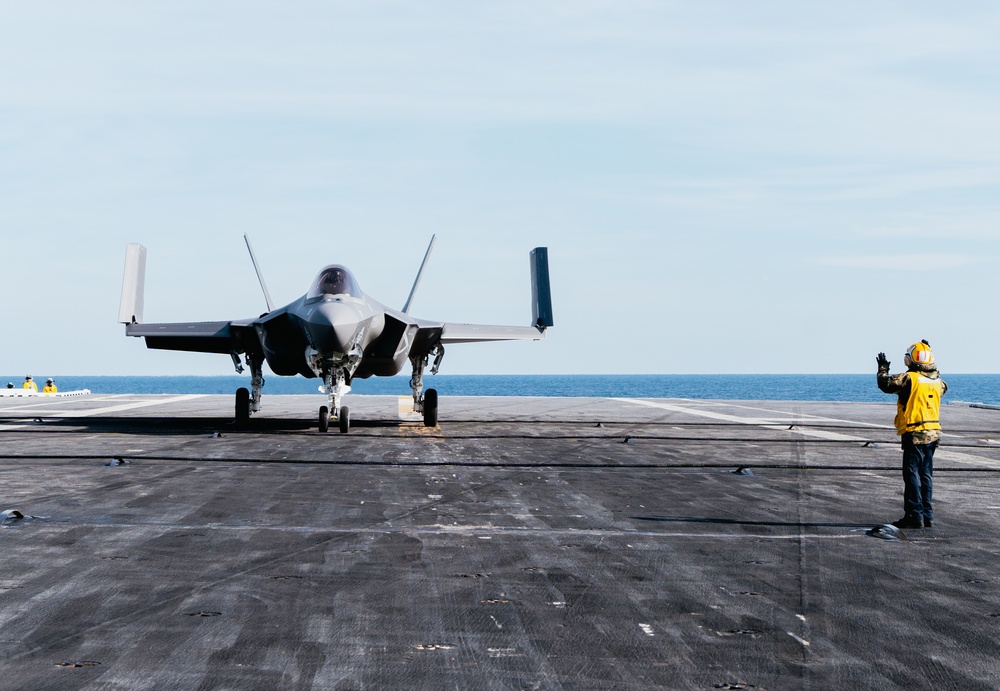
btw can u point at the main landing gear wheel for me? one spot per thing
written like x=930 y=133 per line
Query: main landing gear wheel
x=242 y=407
x=431 y=408
x=345 y=419
x=324 y=418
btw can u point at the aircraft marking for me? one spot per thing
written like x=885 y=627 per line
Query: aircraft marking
x=113 y=408
x=768 y=423
x=406 y=414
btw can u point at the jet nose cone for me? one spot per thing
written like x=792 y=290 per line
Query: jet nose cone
x=333 y=326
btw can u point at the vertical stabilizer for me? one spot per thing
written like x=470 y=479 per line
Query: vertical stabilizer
x=260 y=276
x=541 y=292
x=130 y=309
x=420 y=272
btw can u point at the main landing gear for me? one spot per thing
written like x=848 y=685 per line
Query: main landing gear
x=430 y=408
x=425 y=402
x=248 y=401
x=242 y=407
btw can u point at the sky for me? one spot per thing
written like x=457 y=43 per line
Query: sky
x=724 y=187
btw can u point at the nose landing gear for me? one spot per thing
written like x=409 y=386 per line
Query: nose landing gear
x=335 y=386
x=343 y=418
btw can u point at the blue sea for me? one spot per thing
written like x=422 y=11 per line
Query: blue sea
x=966 y=388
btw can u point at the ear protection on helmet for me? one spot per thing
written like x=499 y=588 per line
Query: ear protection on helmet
x=920 y=354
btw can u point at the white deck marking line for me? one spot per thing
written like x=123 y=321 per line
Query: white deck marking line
x=113 y=409
x=945 y=454
x=47 y=404
x=962 y=457
x=132 y=406
x=799 y=416
x=754 y=421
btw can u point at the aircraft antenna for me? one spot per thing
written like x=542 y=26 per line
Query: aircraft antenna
x=260 y=276
x=406 y=307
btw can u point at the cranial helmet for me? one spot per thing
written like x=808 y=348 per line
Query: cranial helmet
x=919 y=354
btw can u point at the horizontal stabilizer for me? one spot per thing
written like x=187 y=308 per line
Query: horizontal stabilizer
x=482 y=333
x=130 y=308
x=541 y=291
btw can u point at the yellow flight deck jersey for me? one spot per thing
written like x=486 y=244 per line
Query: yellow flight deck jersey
x=923 y=408
x=30 y=385
x=50 y=388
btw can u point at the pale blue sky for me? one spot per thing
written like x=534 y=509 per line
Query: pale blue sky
x=724 y=187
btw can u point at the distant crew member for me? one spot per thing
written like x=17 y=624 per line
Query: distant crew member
x=50 y=386
x=918 y=422
x=10 y=385
x=29 y=384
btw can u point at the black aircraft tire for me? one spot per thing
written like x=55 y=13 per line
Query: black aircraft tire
x=242 y=406
x=324 y=418
x=345 y=419
x=431 y=408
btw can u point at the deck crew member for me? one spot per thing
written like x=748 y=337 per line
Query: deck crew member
x=50 y=386
x=918 y=422
x=29 y=384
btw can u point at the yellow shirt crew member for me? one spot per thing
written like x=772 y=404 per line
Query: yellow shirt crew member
x=918 y=393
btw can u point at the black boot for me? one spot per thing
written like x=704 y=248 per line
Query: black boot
x=907 y=522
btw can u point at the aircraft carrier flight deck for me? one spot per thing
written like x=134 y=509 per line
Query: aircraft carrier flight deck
x=522 y=543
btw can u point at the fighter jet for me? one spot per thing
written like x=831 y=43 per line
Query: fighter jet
x=335 y=332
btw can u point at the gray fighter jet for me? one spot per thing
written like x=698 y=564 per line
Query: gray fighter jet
x=334 y=332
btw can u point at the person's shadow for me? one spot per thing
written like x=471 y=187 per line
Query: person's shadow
x=733 y=521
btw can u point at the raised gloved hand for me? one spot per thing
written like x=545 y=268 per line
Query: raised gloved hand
x=883 y=362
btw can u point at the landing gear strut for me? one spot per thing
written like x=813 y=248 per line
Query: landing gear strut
x=425 y=402
x=335 y=386
x=248 y=400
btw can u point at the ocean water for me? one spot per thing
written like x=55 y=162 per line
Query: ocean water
x=966 y=388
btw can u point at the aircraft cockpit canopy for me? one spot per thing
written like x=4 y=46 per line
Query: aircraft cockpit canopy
x=334 y=280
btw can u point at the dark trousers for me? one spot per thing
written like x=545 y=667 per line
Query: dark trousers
x=918 y=478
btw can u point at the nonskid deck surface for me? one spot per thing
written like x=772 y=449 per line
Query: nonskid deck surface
x=524 y=543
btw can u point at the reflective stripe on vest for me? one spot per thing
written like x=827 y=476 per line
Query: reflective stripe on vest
x=923 y=408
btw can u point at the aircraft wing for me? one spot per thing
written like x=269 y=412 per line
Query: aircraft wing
x=200 y=337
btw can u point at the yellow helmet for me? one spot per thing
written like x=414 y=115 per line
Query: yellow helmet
x=920 y=354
